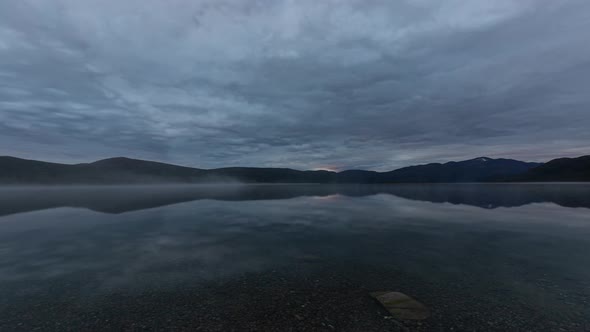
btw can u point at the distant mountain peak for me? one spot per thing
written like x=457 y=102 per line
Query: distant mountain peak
x=119 y=170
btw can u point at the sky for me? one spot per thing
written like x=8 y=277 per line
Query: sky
x=307 y=84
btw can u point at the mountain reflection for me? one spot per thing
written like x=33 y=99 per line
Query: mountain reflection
x=120 y=199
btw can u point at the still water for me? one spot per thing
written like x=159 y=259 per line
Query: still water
x=495 y=257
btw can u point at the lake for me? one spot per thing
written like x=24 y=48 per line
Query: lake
x=486 y=257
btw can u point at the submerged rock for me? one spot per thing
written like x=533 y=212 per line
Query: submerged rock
x=401 y=306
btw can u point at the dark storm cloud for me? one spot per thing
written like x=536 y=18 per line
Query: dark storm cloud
x=304 y=84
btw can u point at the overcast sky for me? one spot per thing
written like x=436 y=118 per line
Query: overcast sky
x=303 y=84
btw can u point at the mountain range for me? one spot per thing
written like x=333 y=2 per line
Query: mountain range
x=121 y=170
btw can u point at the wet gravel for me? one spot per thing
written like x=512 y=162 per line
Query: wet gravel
x=305 y=297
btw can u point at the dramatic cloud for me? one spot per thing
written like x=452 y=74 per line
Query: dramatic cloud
x=304 y=84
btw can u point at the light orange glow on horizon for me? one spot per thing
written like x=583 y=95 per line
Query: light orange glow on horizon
x=326 y=168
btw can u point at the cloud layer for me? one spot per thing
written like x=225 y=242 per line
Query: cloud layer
x=302 y=84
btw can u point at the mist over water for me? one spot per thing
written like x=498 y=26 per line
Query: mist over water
x=294 y=165
x=501 y=257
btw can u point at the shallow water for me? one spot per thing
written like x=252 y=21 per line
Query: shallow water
x=294 y=257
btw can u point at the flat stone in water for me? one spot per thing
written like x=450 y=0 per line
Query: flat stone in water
x=401 y=306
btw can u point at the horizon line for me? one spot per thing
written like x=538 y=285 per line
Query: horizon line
x=318 y=169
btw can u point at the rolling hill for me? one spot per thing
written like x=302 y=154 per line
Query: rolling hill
x=121 y=170
x=562 y=169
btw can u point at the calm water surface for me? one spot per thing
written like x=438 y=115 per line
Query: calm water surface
x=502 y=257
